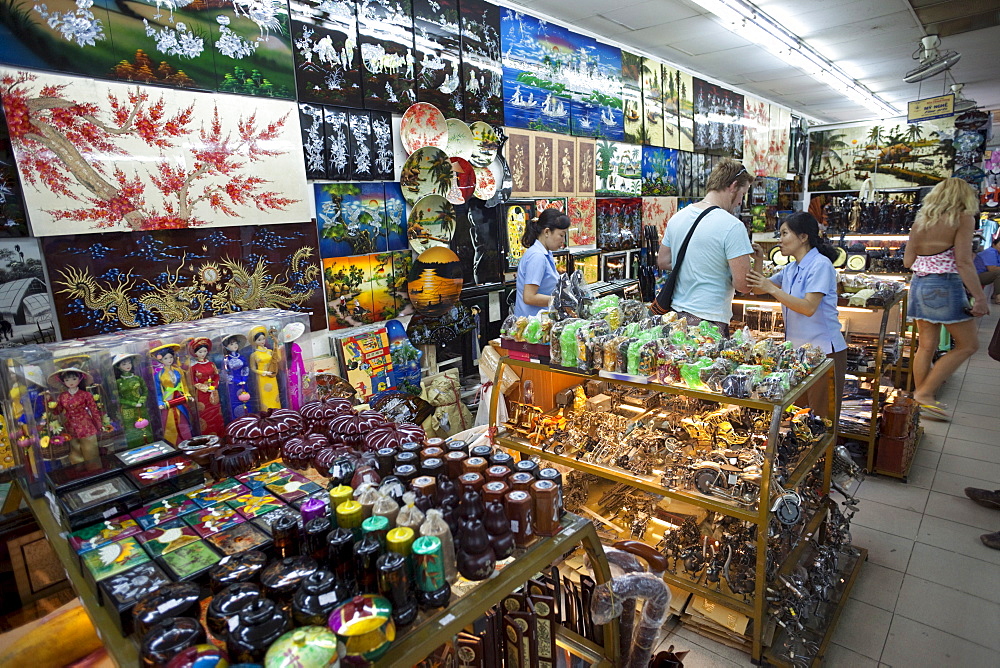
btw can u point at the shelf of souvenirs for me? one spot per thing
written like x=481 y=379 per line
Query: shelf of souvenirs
x=654 y=485
x=819 y=627
x=608 y=519
x=705 y=395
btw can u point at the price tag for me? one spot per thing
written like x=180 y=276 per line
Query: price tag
x=110 y=512
x=234 y=621
x=327 y=598
x=732 y=478
x=447 y=619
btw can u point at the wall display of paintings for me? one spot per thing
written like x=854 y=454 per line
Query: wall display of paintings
x=588 y=266
x=632 y=97
x=228 y=46
x=557 y=80
x=26 y=310
x=109 y=282
x=476 y=241
x=515 y=215
x=13 y=216
x=427 y=171
x=341 y=144
x=756 y=135
x=543 y=170
x=435 y=281
x=718 y=119
x=652 y=101
x=779 y=142
x=893 y=156
x=359 y=218
x=565 y=166
x=586 y=167
x=430 y=223
x=582 y=213
x=685 y=174
x=619 y=222
x=482 y=71
x=338 y=158
x=659 y=171
x=614 y=267
x=685 y=110
x=313 y=140
x=656 y=211
x=362 y=289
x=618 y=169
x=212 y=168
x=360 y=144
x=518 y=154
x=438 y=40
x=671 y=100
x=327 y=58
x=366 y=360
x=557 y=203
x=385 y=33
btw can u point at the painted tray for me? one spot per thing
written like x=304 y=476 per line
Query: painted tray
x=423 y=125
x=460 y=141
x=486 y=144
x=426 y=172
x=214 y=519
x=486 y=183
x=102 y=533
x=292 y=487
x=220 y=491
x=967 y=141
x=168 y=537
x=254 y=503
x=144 y=453
x=264 y=475
x=114 y=558
x=164 y=510
x=431 y=223
x=465 y=181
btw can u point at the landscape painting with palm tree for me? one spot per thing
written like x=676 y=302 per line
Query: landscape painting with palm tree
x=894 y=155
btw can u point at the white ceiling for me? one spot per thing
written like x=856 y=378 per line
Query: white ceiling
x=871 y=40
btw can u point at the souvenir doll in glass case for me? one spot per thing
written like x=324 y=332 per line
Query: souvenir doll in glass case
x=298 y=377
x=74 y=412
x=172 y=393
x=264 y=364
x=204 y=377
x=236 y=374
x=133 y=395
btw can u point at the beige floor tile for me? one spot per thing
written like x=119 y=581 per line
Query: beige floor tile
x=934 y=427
x=883 y=549
x=972 y=468
x=970 y=449
x=925 y=457
x=837 y=656
x=893 y=492
x=957 y=571
x=968 y=408
x=951 y=611
x=962 y=510
x=930 y=440
x=878 y=586
x=890 y=519
x=987 y=424
x=921 y=476
x=954 y=484
x=957 y=537
x=863 y=628
x=974 y=434
x=975 y=396
x=914 y=645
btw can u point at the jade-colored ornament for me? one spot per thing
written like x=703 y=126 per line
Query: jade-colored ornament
x=305 y=647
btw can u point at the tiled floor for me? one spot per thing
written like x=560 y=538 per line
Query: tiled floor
x=929 y=594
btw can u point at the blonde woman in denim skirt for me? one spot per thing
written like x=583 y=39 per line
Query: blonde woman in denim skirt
x=939 y=252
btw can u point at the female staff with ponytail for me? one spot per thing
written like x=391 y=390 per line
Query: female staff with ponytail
x=536 y=272
x=807 y=292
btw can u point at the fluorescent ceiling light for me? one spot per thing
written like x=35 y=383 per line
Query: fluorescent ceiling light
x=749 y=22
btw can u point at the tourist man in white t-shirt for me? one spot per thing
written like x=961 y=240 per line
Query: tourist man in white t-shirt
x=719 y=254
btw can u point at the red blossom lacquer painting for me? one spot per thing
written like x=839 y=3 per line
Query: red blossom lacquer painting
x=96 y=155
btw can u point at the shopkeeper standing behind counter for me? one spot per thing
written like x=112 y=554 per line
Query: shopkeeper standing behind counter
x=536 y=272
x=807 y=292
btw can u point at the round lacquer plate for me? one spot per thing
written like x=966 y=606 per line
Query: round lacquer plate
x=464 y=183
x=460 y=142
x=486 y=144
x=426 y=172
x=431 y=223
x=423 y=125
x=486 y=183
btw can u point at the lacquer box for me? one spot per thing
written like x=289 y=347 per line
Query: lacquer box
x=191 y=562
x=98 y=501
x=254 y=503
x=120 y=592
x=145 y=454
x=214 y=519
x=102 y=533
x=167 y=537
x=264 y=522
x=164 y=510
x=166 y=476
x=292 y=487
x=83 y=474
x=112 y=559
x=240 y=538
x=217 y=493
x=264 y=475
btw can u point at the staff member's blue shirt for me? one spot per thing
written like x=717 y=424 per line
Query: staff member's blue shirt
x=537 y=267
x=822 y=329
x=987 y=258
